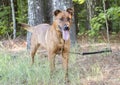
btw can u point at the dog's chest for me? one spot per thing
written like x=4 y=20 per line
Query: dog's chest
x=54 y=41
x=60 y=46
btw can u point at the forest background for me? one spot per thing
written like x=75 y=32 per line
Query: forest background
x=89 y=16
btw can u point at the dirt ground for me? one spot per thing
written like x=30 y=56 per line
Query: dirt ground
x=109 y=63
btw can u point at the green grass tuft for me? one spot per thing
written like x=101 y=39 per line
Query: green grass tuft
x=17 y=70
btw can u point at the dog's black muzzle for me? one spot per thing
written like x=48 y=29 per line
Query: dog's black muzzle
x=66 y=28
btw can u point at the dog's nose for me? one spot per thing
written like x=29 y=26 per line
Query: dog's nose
x=66 y=28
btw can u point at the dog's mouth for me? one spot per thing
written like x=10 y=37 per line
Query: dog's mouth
x=65 y=32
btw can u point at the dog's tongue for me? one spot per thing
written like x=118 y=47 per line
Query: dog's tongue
x=65 y=34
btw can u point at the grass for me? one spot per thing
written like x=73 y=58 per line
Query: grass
x=16 y=69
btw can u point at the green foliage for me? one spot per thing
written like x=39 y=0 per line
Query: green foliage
x=21 y=11
x=5 y=20
x=21 y=15
x=114 y=16
x=4 y=11
x=113 y=13
x=98 y=22
x=79 y=1
x=6 y=27
x=80 y=15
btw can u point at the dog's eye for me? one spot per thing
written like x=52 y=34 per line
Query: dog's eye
x=68 y=19
x=62 y=19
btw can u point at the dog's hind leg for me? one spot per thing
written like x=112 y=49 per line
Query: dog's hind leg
x=33 y=51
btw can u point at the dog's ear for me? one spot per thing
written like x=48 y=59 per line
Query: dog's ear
x=56 y=12
x=70 y=11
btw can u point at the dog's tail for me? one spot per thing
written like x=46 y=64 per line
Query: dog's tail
x=26 y=27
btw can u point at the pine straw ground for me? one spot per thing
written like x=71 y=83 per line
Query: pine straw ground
x=97 y=69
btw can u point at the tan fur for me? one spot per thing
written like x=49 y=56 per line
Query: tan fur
x=50 y=37
x=27 y=27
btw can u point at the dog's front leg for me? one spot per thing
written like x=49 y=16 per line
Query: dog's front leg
x=65 y=64
x=51 y=57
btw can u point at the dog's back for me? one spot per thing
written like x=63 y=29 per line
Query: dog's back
x=39 y=34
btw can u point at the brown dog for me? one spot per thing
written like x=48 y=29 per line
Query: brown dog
x=54 y=38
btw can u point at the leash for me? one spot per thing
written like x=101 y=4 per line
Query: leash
x=93 y=52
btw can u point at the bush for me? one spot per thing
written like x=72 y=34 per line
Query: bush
x=5 y=21
x=98 y=22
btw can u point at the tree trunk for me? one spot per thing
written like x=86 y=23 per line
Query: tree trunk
x=49 y=12
x=107 y=5
x=14 y=20
x=90 y=5
x=35 y=16
x=63 y=5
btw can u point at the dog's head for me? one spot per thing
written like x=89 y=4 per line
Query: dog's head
x=63 y=20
